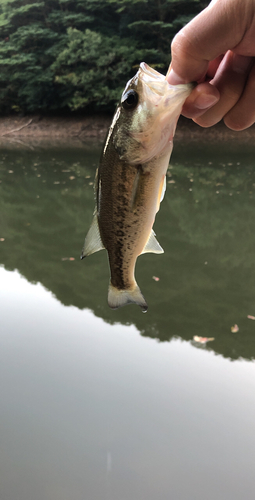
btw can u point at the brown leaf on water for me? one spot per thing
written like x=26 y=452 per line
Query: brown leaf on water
x=71 y=177
x=202 y=340
x=235 y=329
x=251 y=317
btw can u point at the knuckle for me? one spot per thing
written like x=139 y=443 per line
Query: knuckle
x=181 y=44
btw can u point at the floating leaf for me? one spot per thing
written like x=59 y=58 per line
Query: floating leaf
x=155 y=278
x=2 y=239
x=251 y=317
x=234 y=328
x=202 y=340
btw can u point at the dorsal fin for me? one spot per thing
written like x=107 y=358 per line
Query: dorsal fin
x=152 y=245
x=93 y=242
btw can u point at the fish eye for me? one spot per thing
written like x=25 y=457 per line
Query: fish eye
x=130 y=100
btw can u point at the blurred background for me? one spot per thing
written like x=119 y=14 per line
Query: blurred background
x=75 y=55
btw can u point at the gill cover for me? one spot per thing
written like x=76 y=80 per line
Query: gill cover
x=147 y=126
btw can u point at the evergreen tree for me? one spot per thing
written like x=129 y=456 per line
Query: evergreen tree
x=80 y=53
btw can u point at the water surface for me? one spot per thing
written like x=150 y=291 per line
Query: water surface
x=103 y=404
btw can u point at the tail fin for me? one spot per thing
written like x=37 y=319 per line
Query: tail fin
x=118 y=298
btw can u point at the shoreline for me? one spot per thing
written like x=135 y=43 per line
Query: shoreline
x=39 y=129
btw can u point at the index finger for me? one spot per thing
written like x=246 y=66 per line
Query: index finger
x=215 y=30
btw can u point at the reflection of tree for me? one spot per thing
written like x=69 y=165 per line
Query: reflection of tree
x=44 y=216
x=218 y=213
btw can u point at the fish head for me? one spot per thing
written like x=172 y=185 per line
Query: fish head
x=146 y=118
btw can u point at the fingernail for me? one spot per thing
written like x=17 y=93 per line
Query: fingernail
x=240 y=64
x=173 y=78
x=205 y=101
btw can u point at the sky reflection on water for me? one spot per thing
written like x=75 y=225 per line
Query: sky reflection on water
x=92 y=410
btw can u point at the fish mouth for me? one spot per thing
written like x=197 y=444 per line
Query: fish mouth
x=152 y=79
x=150 y=72
x=157 y=83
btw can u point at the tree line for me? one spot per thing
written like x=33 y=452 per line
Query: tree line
x=77 y=54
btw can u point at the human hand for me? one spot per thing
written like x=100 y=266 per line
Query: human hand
x=217 y=49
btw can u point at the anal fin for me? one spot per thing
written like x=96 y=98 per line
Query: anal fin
x=152 y=245
x=93 y=242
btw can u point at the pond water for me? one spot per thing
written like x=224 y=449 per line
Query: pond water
x=118 y=405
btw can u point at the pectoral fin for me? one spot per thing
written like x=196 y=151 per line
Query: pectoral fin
x=93 y=242
x=135 y=191
x=152 y=245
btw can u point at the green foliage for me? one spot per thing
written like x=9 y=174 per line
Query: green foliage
x=77 y=54
x=92 y=66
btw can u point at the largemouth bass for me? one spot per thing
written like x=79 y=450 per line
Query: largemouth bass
x=130 y=181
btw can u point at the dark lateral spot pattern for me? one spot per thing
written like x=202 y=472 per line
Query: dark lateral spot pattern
x=118 y=222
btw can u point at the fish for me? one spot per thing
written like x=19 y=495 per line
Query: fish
x=131 y=179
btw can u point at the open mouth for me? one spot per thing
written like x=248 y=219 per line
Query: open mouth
x=150 y=72
x=157 y=82
x=154 y=80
